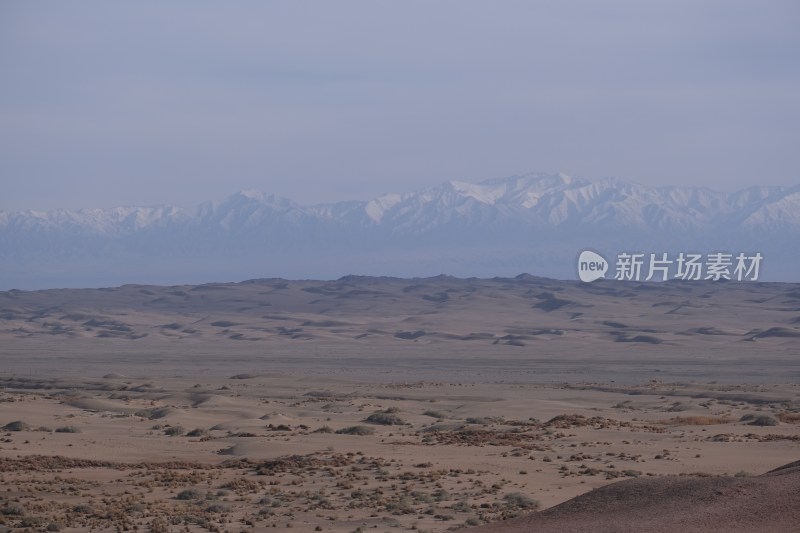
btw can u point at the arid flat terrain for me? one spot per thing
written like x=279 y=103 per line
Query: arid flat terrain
x=386 y=404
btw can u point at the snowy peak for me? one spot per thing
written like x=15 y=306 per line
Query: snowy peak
x=378 y=207
x=524 y=223
x=538 y=200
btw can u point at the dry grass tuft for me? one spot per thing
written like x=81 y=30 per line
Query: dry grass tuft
x=699 y=420
x=789 y=418
x=385 y=418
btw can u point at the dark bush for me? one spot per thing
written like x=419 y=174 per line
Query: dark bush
x=17 y=425
x=174 y=431
x=763 y=420
x=518 y=500
x=218 y=508
x=385 y=418
x=189 y=494
x=356 y=430
x=12 y=509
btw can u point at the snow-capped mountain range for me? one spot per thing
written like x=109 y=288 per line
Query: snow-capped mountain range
x=533 y=223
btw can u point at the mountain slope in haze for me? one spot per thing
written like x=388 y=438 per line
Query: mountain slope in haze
x=534 y=222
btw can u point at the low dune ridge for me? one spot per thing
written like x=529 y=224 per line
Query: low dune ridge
x=551 y=330
x=766 y=503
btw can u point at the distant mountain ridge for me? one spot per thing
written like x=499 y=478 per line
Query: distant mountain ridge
x=531 y=222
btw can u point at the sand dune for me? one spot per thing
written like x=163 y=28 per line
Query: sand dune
x=757 y=504
x=530 y=328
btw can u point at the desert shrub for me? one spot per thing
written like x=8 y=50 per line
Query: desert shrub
x=32 y=522
x=242 y=485
x=385 y=418
x=404 y=505
x=68 y=429
x=697 y=420
x=159 y=525
x=321 y=394
x=196 y=432
x=434 y=414
x=461 y=507
x=189 y=494
x=441 y=495
x=421 y=497
x=82 y=508
x=135 y=508
x=270 y=502
x=218 y=508
x=518 y=500
x=763 y=420
x=16 y=425
x=12 y=509
x=174 y=431
x=324 y=429
x=477 y=420
x=356 y=430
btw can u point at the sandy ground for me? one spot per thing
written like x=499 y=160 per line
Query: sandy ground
x=231 y=407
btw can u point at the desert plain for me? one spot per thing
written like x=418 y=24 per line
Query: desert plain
x=390 y=404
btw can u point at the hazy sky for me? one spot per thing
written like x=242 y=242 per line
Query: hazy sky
x=145 y=102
